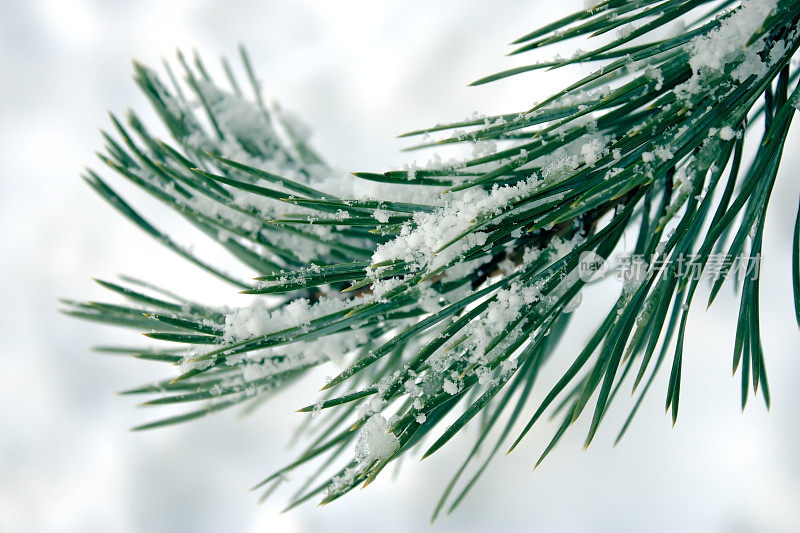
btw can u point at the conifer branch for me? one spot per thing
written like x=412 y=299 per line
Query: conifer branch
x=445 y=293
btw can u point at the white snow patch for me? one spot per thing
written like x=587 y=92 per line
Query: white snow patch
x=726 y=133
x=374 y=441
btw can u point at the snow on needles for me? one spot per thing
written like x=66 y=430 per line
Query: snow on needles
x=374 y=441
x=727 y=42
x=422 y=245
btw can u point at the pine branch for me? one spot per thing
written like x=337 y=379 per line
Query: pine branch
x=446 y=293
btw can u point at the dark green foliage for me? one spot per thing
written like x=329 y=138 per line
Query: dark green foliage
x=643 y=142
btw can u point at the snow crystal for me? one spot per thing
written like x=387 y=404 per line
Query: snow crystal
x=506 y=308
x=726 y=133
x=420 y=246
x=246 y=322
x=751 y=64
x=777 y=51
x=727 y=43
x=508 y=365
x=592 y=151
x=657 y=75
x=715 y=49
x=663 y=153
x=374 y=405
x=256 y=320
x=374 y=441
x=381 y=216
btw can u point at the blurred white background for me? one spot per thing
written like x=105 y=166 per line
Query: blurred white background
x=360 y=72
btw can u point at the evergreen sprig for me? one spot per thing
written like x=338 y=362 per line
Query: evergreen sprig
x=445 y=296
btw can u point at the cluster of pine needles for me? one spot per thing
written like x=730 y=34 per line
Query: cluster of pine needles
x=243 y=173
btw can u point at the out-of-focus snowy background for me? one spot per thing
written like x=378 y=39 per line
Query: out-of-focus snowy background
x=360 y=72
